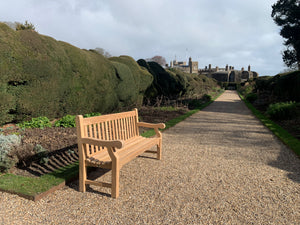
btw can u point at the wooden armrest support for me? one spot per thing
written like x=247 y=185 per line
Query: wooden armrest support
x=151 y=125
x=97 y=142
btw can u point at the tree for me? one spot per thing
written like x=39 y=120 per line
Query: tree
x=158 y=59
x=101 y=51
x=25 y=26
x=286 y=14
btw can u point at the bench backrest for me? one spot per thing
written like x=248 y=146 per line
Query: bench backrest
x=118 y=126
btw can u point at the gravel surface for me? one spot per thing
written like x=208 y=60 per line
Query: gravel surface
x=220 y=166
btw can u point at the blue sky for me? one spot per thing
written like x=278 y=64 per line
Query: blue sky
x=217 y=32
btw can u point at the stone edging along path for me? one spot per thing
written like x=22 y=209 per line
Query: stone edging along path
x=220 y=166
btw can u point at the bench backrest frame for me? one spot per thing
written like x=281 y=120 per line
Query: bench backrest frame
x=117 y=126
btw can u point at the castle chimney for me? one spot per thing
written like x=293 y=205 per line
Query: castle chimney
x=217 y=68
x=226 y=68
x=209 y=67
x=249 y=68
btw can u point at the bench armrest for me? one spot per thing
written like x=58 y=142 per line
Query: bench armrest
x=151 y=125
x=103 y=143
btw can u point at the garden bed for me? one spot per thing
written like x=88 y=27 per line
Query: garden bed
x=61 y=143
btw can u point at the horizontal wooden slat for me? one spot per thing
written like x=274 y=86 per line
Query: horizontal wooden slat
x=101 y=184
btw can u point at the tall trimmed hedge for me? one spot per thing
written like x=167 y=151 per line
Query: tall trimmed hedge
x=40 y=76
x=282 y=87
x=174 y=83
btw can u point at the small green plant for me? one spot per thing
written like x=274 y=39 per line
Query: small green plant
x=251 y=97
x=7 y=143
x=39 y=122
x=66 y=121
x=282 y=110
x=41 y=154
x=167 y=108
x=92 y=114
x=206 y=98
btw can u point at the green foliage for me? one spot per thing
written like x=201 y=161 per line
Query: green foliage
x=282 y=110
x=41 y=154
x=194 y=104
x=25 y=26
x=287 y=15
x=40 y=76
x=92 y=114
x=39 y=122
x=66 y=121
x=166 y=108
x=282 y=87
x=7 y=160
x=174 y=83
x=251 y=97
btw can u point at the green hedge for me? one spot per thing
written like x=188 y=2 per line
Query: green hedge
x=40 y=76
x=173 y=83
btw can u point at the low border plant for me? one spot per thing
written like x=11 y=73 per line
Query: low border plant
x=39 y=122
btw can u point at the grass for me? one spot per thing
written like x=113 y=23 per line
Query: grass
x=292 y=142
x=32 y=186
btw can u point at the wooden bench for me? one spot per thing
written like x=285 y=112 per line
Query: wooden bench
x=111 y=141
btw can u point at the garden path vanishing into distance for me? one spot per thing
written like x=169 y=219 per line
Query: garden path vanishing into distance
x=220 y=166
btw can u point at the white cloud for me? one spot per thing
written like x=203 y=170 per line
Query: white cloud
x=218 y=32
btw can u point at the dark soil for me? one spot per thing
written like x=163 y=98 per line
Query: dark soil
x=61 y=143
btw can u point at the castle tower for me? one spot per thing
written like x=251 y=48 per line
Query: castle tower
x=226 y=68
x=249 y=68
x=193 y=66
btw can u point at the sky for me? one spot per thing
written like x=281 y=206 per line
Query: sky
x=217 y=32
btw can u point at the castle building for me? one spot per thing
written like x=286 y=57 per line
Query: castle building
x=192 y=67
x=228 y=74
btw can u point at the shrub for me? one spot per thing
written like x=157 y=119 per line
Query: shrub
x=206 y=98
x=92 y=114
x=41 y=154
x=282 y=110
x=66 y=121
x=39 y=122
x=7 y=160
x=25 y=26
x=194 y=104
x=166 y=108
x=251 y=97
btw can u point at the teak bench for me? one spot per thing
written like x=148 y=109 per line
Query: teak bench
x=111 y=141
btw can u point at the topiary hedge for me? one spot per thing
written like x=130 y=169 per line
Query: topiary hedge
x=40 y=76
x=173 y=83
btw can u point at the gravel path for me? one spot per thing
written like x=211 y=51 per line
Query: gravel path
x=220 y=166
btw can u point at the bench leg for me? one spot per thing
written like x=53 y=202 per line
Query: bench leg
x=115 y=180
x=82 y=177
x=159 y=150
